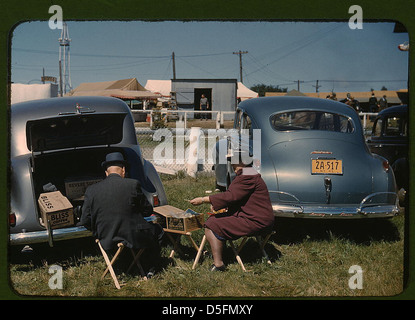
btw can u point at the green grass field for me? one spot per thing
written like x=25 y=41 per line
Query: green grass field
x=309 y=259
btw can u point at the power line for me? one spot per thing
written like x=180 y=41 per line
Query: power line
x=266 y=71
x=197 y=67
x=121 y=56
x=90 y=55
x=296 y=49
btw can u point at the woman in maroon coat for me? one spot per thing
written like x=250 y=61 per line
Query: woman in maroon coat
x=249 y=211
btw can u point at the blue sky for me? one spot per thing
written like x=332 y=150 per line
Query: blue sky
x=279 y=53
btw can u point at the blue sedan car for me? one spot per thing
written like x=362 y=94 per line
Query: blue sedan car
x=313 y=157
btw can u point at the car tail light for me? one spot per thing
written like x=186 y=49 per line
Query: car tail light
x=156 y=201
x=385 y=165
x=12 y=219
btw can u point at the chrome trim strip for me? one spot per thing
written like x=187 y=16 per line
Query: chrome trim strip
x=24 y=238
x=362 y=210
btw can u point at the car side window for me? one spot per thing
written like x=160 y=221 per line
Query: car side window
x=246 y=124
x=238 y=117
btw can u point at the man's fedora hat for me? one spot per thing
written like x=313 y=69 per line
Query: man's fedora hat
x=114 y=158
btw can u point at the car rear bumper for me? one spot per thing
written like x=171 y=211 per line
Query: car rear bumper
x=367 y=208
x=27 y=238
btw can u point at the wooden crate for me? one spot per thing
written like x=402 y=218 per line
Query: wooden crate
x=75 y=187
x=169 y=219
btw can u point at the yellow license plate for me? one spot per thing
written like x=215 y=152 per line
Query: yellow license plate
x=326 y=166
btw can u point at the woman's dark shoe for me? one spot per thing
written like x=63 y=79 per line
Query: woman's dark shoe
x=215 y=268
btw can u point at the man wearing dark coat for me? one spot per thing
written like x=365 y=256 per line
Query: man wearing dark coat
x=373 y=103
x=383 y=103
x=114 y=210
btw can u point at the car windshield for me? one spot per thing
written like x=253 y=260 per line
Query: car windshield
x=312 y=120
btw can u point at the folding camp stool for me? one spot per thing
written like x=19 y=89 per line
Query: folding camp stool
x=261 y=239
x=136 y=261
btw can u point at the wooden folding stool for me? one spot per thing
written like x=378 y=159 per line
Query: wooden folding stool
x=136 y=261
x=262 y=241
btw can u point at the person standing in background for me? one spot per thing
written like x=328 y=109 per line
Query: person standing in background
x=204 y=105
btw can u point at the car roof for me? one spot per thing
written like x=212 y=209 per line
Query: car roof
x=265 y=106
x=394 y=109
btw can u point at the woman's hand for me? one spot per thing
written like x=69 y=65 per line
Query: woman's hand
x=196 y=201
x=199 y=200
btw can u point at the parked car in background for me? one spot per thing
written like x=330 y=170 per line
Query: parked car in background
x=314 y=159
x=389 y=139
x=58 y=144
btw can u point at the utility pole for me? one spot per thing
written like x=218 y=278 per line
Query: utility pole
x=317 y=86
x=298 y=84
x=174 y=65
x=240 y=53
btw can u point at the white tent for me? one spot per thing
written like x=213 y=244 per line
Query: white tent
x=245 y=93
x=25 y=92
x=162 y=87
x=128 y=89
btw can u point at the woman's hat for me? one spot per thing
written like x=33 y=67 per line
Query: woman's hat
x=238 y=156
x=114 y=158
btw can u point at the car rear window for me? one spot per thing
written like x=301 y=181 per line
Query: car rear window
x=391 y=126
x=312 y=120
x=74 y=131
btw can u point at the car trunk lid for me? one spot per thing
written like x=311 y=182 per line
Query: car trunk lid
x=317 y=171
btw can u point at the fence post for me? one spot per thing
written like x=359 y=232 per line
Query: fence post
x=218 y=120
x=364 y=121
x=193 y=156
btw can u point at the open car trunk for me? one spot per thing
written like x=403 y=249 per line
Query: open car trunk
x=67 y=152
x=72 y=171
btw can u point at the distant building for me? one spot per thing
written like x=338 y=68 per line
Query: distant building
x=164 y=88
x=221 y=94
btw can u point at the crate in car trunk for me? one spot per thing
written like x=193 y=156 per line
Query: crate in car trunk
x=75 y=187
x=175 y=219
x=57 y=209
